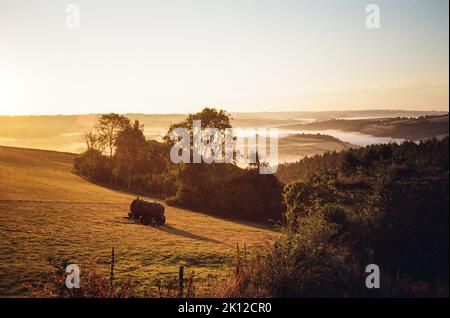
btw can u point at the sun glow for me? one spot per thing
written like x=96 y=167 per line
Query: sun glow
x=8 y=90
x=179 y=56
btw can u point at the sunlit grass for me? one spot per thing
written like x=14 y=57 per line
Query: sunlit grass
x=49 y=216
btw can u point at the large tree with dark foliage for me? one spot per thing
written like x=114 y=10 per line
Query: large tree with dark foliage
x=225 y=189
x=130 y=142
x=137 y=165
x=109 y=126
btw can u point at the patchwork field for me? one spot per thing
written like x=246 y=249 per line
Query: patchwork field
x=49 y=215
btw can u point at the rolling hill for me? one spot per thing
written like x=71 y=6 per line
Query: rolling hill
x=49 y=215
x=420 y=128
x=297 y=146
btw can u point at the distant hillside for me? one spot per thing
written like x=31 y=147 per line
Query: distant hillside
x=294 y=147
x=432 y=153
x=62 y=133
x=405 y=128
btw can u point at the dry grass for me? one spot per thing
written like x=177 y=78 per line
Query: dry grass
x=49 y=215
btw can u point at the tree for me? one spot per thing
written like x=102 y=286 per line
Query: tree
x=209 y=118
x=224 y=189
x=94 y=146
x=92 y=140
x=130 y=142
x=109 y=126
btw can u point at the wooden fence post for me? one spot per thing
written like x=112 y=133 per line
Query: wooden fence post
x=111 y=274
x=180 y=282
x=238 y=259
x=245 y=254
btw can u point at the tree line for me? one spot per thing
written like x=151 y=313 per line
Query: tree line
x=118 y=154
x=412 y=154
x=383 y=204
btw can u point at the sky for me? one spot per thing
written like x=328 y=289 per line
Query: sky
x=240 y=55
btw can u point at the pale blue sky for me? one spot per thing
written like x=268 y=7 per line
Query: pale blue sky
x=178 y=56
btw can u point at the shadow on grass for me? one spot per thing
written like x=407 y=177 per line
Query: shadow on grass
x=172 y=230
x=270 y=225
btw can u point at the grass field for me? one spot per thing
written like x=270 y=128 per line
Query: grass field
x=50 y=215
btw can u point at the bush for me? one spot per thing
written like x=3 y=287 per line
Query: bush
x=93 y=165
x=229 y=191
x=301 y=263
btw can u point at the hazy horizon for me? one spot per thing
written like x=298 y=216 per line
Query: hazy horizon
x=369 y=110
x=176 y=57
